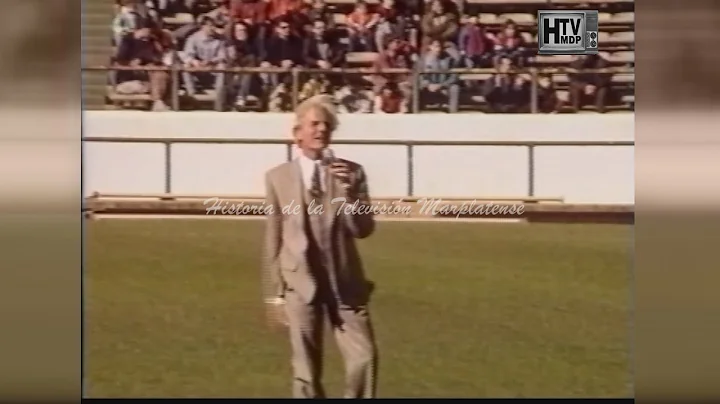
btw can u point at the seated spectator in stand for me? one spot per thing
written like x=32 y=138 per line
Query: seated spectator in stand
x=438 y=86
x=283 y=50
x=409 y=11
x=438 y=24
x=220 y=16
x=316 y=85
x=353 y=98
x=387 y=9
x=300 y=21
x=322 y=49
x=164 y=42
x=547 y=99
x=505 y=91
x=254 y=14
x=126 y=20
x=283 y=9
x=139 y=48
x=589 y=87
x=391 y=25
x=319 y=12
x=242 y=53
x=476 y=46
x=361 y=28
x=510 y=44
x=397 y=55
x=205 y=49
x=390 y=101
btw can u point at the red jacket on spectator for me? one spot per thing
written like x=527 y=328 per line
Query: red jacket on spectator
x=279 y=8
x=163 y=40
x=255 y=11
x=398 y=58
x=473 y=40
x=356 y=19
x=397 y=61
x=390 y=102
x=508 y=42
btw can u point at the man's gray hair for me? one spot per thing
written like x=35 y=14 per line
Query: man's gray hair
x=321 y=102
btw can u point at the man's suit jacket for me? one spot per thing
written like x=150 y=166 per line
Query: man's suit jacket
x=286 y=264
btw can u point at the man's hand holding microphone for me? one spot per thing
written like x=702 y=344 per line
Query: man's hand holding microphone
x=339 y=169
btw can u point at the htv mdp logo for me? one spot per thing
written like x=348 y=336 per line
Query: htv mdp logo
x=567 y=32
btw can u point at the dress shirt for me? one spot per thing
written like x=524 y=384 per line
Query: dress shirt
x=307 y=167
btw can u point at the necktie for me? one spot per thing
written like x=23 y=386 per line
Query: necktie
x=315 y=186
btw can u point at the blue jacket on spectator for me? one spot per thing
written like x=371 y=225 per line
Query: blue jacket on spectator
x=441 y=62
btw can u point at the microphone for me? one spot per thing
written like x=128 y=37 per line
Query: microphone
x=327 y=156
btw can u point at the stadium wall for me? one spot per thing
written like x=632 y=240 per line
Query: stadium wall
x=580 y=174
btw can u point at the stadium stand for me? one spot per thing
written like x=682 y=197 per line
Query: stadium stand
x=96 y=50
x=370 y=57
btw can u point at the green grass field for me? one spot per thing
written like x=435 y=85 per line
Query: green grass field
x=173 y=309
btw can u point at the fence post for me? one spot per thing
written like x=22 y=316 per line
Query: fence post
x=175 y=86
x=534 y=91
x=295 y=86
x=220 y=93
x=410 y=168
x=289 y=152
x=416 y=89
x=531 y=170
x=168 y=167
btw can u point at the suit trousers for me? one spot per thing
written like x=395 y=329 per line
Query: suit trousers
x=353 y=333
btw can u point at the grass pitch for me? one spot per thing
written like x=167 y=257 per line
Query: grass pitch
x=173 y=309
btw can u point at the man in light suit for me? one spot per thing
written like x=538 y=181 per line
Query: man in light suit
x=312 y=269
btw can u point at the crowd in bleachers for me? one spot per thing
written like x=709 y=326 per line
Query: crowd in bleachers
x=430 y=35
